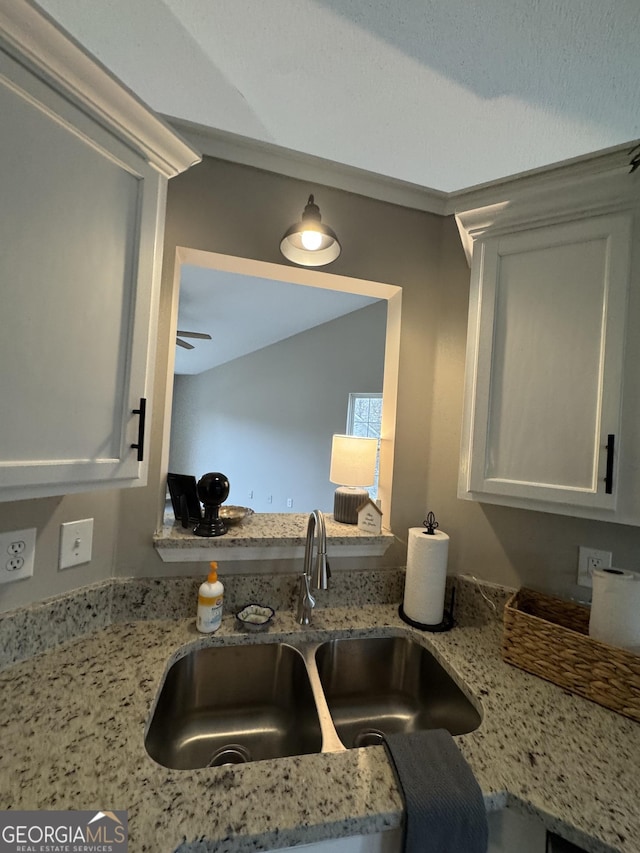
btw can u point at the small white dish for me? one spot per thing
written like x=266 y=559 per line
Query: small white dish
x=255 y=617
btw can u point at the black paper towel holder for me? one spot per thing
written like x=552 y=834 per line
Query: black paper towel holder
x=431 y=524
x=447 y=622
x=447 y=618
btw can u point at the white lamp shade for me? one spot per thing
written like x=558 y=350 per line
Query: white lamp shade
x=353 y=460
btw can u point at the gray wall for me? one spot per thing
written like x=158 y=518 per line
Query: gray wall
x=242 y=211
x=238 y=210
x=266 y=419
x=46 y=515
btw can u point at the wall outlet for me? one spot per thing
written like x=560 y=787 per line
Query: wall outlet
x=289 y=503
x=588 y=560
x=76 y=542
x=17 y=554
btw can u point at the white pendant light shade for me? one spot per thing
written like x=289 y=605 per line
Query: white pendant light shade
x=309 y=242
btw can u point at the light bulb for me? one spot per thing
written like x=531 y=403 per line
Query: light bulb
x=311 y=240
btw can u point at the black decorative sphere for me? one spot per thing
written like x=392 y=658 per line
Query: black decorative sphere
x=213 y=489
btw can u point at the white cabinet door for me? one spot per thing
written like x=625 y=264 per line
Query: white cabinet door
x=545 y=365
x=511 y=831
x=79 y=261
x=508 y=831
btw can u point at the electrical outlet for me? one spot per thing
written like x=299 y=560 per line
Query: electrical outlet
x=17 y=554
x=76 y=542
x=588 y=560
x=289 y=503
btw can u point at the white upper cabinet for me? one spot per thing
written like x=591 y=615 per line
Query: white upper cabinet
x=83 y=172
x=549 y=361
x=550 y=390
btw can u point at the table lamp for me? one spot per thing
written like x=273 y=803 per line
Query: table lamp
x=353 y=466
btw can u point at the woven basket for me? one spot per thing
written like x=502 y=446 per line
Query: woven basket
x=549 y=638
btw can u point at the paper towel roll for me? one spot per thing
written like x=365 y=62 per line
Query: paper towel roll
x=615 y=608
x=426 y=576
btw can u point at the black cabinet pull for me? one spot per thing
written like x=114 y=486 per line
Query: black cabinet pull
x=608 y=478
x=142 y=411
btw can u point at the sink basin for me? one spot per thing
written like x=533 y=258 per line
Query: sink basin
x=378 y=686
x=223 y=705
x=232 y=704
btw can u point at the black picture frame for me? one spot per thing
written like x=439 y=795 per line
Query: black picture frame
x=184 y=498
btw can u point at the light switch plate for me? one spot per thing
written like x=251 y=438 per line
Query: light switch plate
x=17 y=552
x=76 y=542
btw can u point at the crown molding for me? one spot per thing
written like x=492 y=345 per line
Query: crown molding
x=295 y=164
x=588 y=186
x=34 y=39
x=607 y=161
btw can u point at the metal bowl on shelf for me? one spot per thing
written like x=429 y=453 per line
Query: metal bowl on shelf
x=235 y=514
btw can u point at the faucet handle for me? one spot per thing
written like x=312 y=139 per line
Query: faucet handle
x=307 y=593
x=306 y=602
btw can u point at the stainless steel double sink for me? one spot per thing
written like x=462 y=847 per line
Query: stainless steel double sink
x=232 y=704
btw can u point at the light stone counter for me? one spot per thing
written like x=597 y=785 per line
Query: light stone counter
x=269 y=536
x=71 y=737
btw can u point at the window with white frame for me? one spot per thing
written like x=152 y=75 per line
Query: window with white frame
x=364 y=419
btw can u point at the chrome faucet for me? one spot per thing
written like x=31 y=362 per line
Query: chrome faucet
x=313 y=576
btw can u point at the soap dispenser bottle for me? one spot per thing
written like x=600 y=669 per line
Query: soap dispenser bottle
x=210 y=597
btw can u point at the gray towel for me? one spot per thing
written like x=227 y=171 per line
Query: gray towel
x=445 y=811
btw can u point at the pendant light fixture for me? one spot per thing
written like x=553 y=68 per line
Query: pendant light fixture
x=309 y=242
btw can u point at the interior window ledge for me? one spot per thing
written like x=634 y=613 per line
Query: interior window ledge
x=266 y=536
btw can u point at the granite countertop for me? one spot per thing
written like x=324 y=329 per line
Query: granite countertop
x=266 y=535
x=72 y=723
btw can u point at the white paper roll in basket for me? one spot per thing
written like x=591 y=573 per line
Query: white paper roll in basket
x=426 y=576
x=615 y=608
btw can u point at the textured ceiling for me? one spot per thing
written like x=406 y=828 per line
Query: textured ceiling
x=238 y=312
x=446 y=94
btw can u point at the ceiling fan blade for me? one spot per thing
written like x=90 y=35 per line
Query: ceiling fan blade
x=184 y=344
x=201 y=335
